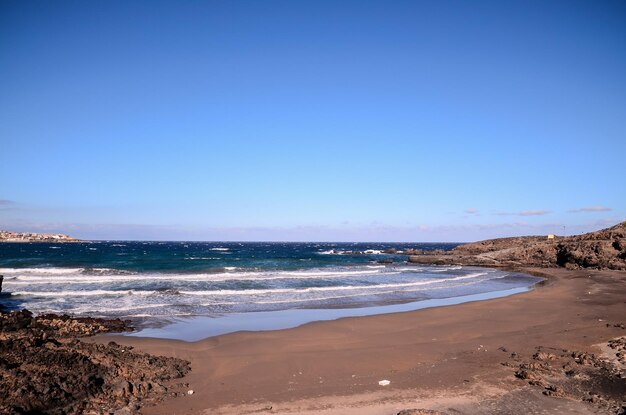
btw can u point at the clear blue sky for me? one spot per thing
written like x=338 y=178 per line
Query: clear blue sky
x=318 y=120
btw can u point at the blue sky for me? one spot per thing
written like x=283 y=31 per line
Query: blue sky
x=320 y=120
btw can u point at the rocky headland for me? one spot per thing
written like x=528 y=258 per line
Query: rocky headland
x=604 y=249
x=9 y=236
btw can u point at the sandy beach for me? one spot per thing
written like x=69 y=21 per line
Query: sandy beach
x=456 y=359
x=312 y=207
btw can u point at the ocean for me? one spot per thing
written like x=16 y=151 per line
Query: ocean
x=152 y=282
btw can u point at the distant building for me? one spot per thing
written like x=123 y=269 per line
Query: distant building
x=551 y=236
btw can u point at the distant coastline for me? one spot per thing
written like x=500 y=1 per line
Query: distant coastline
x=9 y=236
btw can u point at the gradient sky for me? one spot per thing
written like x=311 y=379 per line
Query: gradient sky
x=319 y=120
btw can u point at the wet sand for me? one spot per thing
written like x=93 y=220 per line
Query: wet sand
x=456 y=359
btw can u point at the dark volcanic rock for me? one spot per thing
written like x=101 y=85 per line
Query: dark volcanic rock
x=604 y=249
x=22 y=323
x=45 y=369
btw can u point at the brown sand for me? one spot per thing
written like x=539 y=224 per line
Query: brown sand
x=456 y=359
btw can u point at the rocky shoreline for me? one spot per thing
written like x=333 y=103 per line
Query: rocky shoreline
x=45 y=368
x=604 y=249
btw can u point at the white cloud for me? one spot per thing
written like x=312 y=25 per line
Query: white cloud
x=537 y=212
x=595 y=208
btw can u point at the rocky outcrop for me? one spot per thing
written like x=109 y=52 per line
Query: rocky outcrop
x=577 y=375
x=45 y=369
x=22 y=323
x=604 y=249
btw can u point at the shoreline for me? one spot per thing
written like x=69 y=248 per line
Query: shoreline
x=454 y=353
x=560 y=348
x=184 y=328
x=163 y=297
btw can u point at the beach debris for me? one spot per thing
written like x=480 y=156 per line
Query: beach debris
x=190 y=392
x=263 y=409
x=384 y=382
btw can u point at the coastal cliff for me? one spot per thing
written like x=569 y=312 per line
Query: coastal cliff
x=9 y=236
x=603 y=249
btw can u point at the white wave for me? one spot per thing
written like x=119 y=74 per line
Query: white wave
x=411 y=270
x=332 y=297
x=77 y=277
x=82 y=293
x=40 y=271
x=219 y=249
x=331 y=252
x=427 y=268
x=138 y=307
x=55 y=274
x=330 y=273
x=196 y=258
x=444 y=269
x=162 y=315
x=332 y=288
x=340 y=252
x=343 y=295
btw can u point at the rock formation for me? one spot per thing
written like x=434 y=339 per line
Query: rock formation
x=604 y=249
x=578 y=375
x=45 y=369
